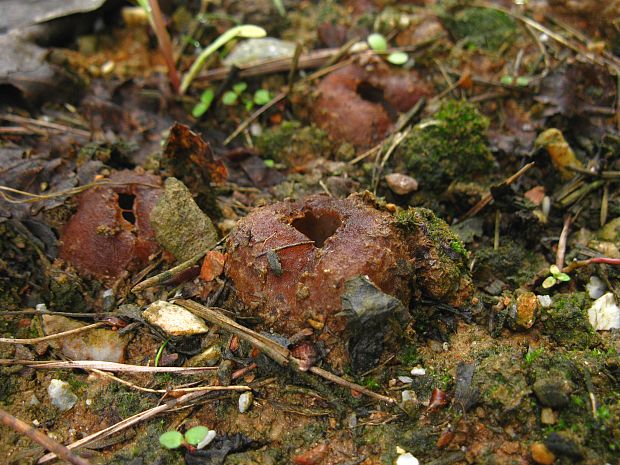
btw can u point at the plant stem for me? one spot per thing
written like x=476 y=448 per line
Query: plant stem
x=164 y=43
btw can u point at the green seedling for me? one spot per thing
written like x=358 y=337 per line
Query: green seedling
x=246 y=31
x=196 y=437
x=206 y=98
x=521 y=81
x=379 y=43
x=556 y=276
x=262 y=97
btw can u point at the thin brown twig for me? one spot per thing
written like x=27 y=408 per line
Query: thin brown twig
x=561 y=253
x=40 y=438
x=487 y=199
x=36 y=340
x=104 y=366
x=165 y=45
x=168 y=274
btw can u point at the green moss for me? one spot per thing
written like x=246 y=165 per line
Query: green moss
x=120 y=402
x=409 y=356
x=511 y=263
x=449 y=146
x=567 y=323
x=292 y=144
x=481 y=27
x=441 y=266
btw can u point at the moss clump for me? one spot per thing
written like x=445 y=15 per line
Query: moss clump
x=481 y=27
x=451 y=145
x=511 y=263
x=441 y=266
x=67 y=291
x=292 y=144
x=566 y=322
x=501 y=380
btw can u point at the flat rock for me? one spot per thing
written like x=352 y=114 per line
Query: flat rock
x=173 y=319
x=96 y=344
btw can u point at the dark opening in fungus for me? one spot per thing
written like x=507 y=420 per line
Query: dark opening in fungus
x=317 y=228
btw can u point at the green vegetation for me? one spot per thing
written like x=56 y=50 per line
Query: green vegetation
x=290 y=143
x=567 y=323
x=449 y=146
x=481 y=27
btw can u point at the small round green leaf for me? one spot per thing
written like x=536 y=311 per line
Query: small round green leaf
x=562 y=277
x=549 y=282
x=239 y=88
x=377 y=42
x=199 y=110
x=262 y=97
x=506 y=80
x=269 y=163
x=523 y=81
x=207 y=96
x=196 y=434
x=229 y=98
x=171 y=439
x=554 y=270
x=398 y=58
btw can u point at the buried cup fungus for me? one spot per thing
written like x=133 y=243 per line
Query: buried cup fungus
x=339 y=266
x=111 y=231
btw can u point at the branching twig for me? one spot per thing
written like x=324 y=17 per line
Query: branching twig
x=275 y=351
x=104 y=366
x=43 y=439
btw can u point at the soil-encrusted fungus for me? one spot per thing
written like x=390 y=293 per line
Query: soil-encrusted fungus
x=357 y=105
x=321 y=262
x=111 y=231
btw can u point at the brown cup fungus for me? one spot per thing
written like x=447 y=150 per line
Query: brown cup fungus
x=111 y=231
x=357 y=104
x=343 y=267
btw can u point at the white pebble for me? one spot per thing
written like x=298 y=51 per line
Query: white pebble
x=596 y=287
x=418 y=371
x=207 y=440
x=245 y=401
x=544 y=300
x=61 y=395
x=407 y=459
x=604 y=314
x=405 y=379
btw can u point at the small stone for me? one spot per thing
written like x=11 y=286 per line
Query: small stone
x=401 y=184
x=604 y=314
x=174 y=320
x=545 y=301
x=596 y=287
x=207 y=358
x=417 y=371
x=407 y=459
x=61 y=395
x=527 y=305
x=548 y=416
x=260 y=49
x=541 y=455
x=245 y=401
x=405 y=379
x=552 y=392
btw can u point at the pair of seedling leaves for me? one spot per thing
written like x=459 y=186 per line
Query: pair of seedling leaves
x=198 y=437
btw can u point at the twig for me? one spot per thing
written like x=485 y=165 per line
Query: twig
x=278 y=353
x=36 y=340
x=581 y=263
x=44 y=124
x=142 y=416
x=104 y=366
x=164 y=44
x=282 y=247
x=168 y=274
x=559 y=258
x=484 y=201
x=37 y=436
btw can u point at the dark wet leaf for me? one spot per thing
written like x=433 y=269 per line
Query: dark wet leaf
x=563 y=446
x=259 y=173
x=369 y=310
x=219 y=449
x=465 y=396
